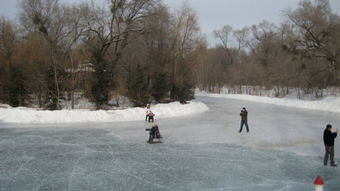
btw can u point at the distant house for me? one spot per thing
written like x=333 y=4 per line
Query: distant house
x=86 y=67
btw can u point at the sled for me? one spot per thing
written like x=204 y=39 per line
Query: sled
x=158 y=139
x=155 y=142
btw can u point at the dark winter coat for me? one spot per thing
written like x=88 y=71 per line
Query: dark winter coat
x=244 y=115
x=153 y=130
x=328 y=137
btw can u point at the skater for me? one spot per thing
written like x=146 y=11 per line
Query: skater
x=328 y=139
x=150 y=115
x=154 y=133
x=147 y=111
x=244 y=119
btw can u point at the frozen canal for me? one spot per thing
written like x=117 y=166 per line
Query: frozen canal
x=283 y=151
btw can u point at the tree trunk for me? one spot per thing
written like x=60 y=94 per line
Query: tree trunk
x=55 y=77
x=73 y=80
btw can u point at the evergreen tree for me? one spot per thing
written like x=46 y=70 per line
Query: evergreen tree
x=138 y=87
x=182 y=92
x=160 y=87
x=16 y=92
x=51 y=98
x=100 y=88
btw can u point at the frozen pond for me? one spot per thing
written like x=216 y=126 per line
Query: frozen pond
x=283 y=151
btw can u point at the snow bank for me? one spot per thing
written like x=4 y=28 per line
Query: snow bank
x=5 y=106
x=29 y=115
x=329 y=103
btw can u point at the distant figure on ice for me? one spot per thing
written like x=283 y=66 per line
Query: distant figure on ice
x=147 y=111
x=154 y=134
x=244 y=119
x=328 y=139
x=150 y=115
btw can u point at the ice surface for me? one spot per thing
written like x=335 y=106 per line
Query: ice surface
x=283 y=151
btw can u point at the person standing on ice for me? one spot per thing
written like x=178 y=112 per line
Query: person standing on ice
x=328 y=139
x=147 y=111
x=244 y=119
x=150 y=115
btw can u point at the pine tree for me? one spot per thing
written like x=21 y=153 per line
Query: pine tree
x=138 y=87
x=100 y=88
x=16 y=92
x=51 y=98
x=182 y=92
x=160 y=87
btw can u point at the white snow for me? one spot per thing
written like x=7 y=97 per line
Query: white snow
x=30 y=115
x=329 y=103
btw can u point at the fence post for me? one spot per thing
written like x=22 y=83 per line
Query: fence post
x=318 y=184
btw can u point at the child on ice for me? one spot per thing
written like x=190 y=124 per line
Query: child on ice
x=154 y=134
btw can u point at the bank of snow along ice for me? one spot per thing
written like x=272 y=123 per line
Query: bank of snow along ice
x=29 y=115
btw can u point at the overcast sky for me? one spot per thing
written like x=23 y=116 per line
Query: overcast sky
x=214 y=14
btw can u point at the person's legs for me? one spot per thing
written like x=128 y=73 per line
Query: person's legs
x=331 y=152
x=241 y=127
x=325 y=160
x=146 y=117
x=151 y=138
x=246 y=123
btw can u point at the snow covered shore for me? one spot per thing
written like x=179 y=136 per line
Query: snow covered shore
x=29 y=115
x=329 y=103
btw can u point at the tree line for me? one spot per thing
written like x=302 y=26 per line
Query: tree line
x=134 y=48
x=141 y=50
x=303 y=52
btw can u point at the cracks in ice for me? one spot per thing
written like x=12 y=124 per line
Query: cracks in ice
x=84 y=154
x=115 y=161
x=22 y=165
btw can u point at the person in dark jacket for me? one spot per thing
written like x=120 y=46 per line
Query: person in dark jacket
x=328 y=139
x=244 y=119
x=152 y=133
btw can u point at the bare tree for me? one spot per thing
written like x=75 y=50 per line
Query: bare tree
x=185 y=39
x=109 y=33
x=225 y=36
x=318 y=31
x=241 y=36
x=75 y=27
x=46 y=17
x=7 y=39
x=8 y=46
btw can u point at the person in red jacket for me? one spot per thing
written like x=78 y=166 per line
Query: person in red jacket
x=328 y=139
